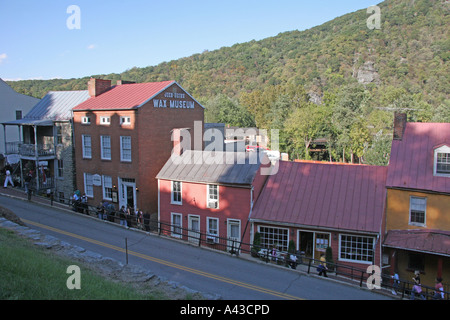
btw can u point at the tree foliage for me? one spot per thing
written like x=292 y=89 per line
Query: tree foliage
x=358 y=77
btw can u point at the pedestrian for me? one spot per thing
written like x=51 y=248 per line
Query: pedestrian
x=293 y=261
x=76 y=200
x=396 y=283
x=322 y=268
x=28 y=181
x=100 y=210
x=147 y=221
x=8 y=179
x=129 y=215
x=438 y=289
x=84 y=204
x=417 y=287
x=122 y=216
x=140 y=218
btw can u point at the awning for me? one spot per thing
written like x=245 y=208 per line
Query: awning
x=421 y=240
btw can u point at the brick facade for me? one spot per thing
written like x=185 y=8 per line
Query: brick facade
x=150 y=131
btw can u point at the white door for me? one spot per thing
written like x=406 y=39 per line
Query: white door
x=194 y=229
x=233 y=235
x=127 y=193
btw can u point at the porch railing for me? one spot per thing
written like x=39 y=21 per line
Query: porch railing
x=29 y=150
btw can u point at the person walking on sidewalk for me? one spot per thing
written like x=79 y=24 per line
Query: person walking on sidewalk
x=8 y=179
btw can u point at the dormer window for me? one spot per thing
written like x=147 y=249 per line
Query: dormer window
x=442 y=161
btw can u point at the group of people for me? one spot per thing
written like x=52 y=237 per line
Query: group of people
x=80 y=202
x=126 y=215
x=106 y=211
x=417 y=288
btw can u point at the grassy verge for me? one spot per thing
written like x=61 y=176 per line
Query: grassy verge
x=31 y=273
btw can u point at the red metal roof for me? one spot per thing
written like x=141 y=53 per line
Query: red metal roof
x=125 y=96
x=423 y=240
x=324 y=195
x=412 y=158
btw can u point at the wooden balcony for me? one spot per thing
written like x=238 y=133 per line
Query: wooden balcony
x=29 y=150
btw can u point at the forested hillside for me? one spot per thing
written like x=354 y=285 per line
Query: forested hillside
x=339 y=80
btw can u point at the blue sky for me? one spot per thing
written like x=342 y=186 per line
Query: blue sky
x=113 y=36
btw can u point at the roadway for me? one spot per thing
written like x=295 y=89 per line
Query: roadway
x=232 y=278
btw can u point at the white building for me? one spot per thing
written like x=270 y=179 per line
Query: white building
x=13 y=106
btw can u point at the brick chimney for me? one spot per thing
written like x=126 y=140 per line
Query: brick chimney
x=98 y=86
x=400 y=120
x=120 y=82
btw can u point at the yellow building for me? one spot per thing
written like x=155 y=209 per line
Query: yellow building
x=417 y=221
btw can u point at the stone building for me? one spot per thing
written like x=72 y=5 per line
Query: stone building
x=45 y=143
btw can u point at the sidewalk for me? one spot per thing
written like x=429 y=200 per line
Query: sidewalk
x=19 y=193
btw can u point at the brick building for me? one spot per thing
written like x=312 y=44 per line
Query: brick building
x=211 y=193
x=123 y=138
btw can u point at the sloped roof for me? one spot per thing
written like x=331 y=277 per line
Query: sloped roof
x=324 y=195
x=226 y=168
x=422 y=240
x=412 y=158
x=125 y=96
x=54 y=106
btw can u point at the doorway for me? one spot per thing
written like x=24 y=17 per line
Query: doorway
x=194 y=229
x=127 y=193
x=233 y=235
x=306 y=243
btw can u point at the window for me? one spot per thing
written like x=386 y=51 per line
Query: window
x=107 y=188
x=59 y=138
x=18 y=114
x=105 y=120
x=213 y=230
x=60 y=168
x=87 y=147
x=442 y=161
x=88 y=185
x=176 y=225
x=85 y=120
x=213 y=196
x=356 y=248
x=176 y=193
x=417 y=210
x=125 y=121
x=105 y=147
x=274 y=237
x=125 y=149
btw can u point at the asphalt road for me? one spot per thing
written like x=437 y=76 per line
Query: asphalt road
x=200 y=269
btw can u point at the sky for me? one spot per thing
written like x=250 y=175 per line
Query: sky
x=46 y=39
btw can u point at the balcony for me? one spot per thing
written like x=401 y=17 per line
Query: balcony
x=29 y=150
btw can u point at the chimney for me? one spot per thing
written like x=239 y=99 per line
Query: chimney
x=400 y=120
x=120 y=82
x=98 y=86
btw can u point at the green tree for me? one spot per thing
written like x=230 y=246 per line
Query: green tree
x=222 y=109
x=303 y=126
